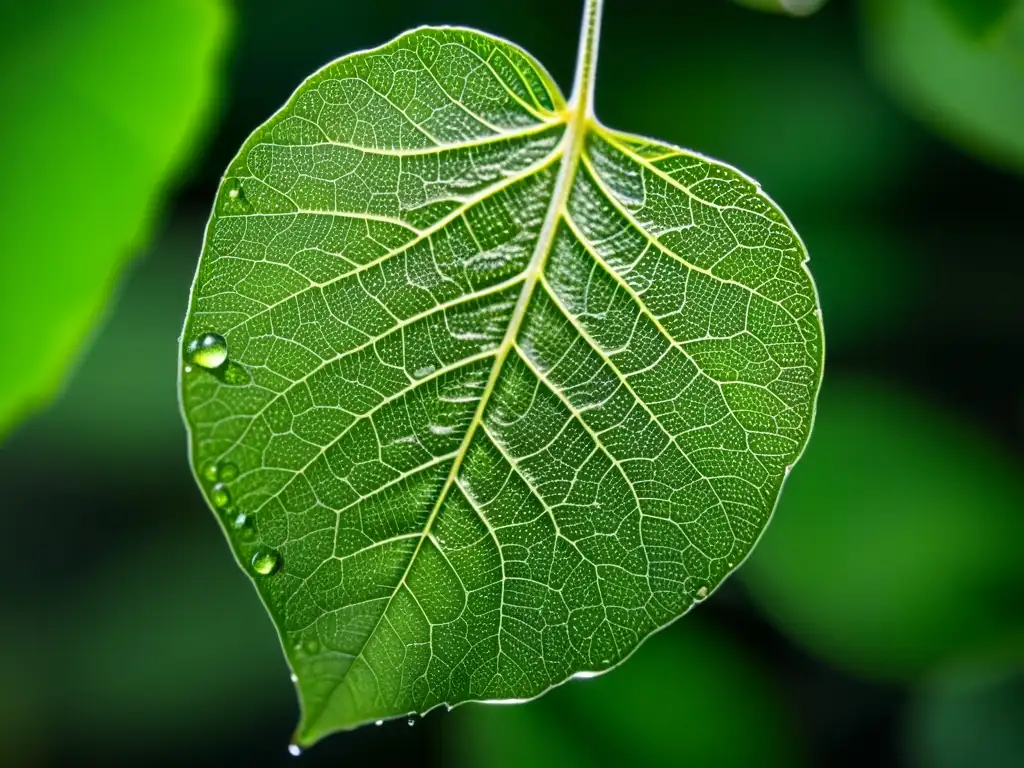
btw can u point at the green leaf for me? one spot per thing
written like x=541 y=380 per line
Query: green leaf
x=505 y=391
x=103 y=100
x=660 y=709
x=896 y=548
x=968 y=88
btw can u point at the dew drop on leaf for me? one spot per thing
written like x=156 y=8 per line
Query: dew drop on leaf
x=294 y=750
x=236 y=375
x=208 y=351
x=209 y=471
x=243 y=527
x=266 y=562
x=219 y=496
x=422 y=373
x=379 y=722
x=235 y=191
x=227 y=472
x=702 y=593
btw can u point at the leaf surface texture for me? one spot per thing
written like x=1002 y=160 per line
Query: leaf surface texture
x=506 y=391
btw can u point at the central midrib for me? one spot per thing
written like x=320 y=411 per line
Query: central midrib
x=570 y=148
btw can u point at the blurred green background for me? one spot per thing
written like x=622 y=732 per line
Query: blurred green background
x=881 y=619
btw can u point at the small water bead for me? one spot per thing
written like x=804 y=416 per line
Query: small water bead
x=702 y=593
x=219 y=496
x=295 y=678
x=209 y=471
x=227 y=472
x=236 y=375
x=208 y=351
x=294 y=750
x=379 y=722
x=266 y=562
x=243 y=527
x=411 y=721
x=235 y=191
x=422 y=373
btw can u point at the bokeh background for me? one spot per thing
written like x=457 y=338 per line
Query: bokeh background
x=880 y=621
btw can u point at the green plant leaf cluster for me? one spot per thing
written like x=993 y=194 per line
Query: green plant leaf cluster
x=483 y=392
x=103 y=103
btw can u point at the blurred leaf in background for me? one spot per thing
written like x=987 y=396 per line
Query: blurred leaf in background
x=970 y=715
x=959 y=66
x=687 y=696
x=897 y=548
x=103 y=101
x=792 y=7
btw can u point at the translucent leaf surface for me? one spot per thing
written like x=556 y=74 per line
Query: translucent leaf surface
x=103 y=101
x=505 y=391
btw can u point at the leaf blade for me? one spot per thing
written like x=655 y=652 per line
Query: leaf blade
x=484 y=438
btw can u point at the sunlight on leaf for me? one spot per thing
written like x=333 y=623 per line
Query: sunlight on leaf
x=103 y=102
x=505 y=392
x=896 y=548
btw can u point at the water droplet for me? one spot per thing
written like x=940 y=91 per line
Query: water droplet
x=227 y=472
x=236 y=375
x=311 y=645
x=209 y=471
x=422 y=373
x=295 y=678
x=188 y=369
x=236 y=193
x=411 y=721
x=379 y=722
x=294 y=750
x=243 y=527
x=266 y=562
x=441 y=429
x=789 y=468
x=702 y=593
x=208 y=351
x=219 y=496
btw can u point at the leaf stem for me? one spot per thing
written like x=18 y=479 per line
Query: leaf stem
x=586 y=62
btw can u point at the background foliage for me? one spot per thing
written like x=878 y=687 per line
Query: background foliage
x=881 y=619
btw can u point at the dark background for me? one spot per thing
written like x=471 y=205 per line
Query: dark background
x=880 y=622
